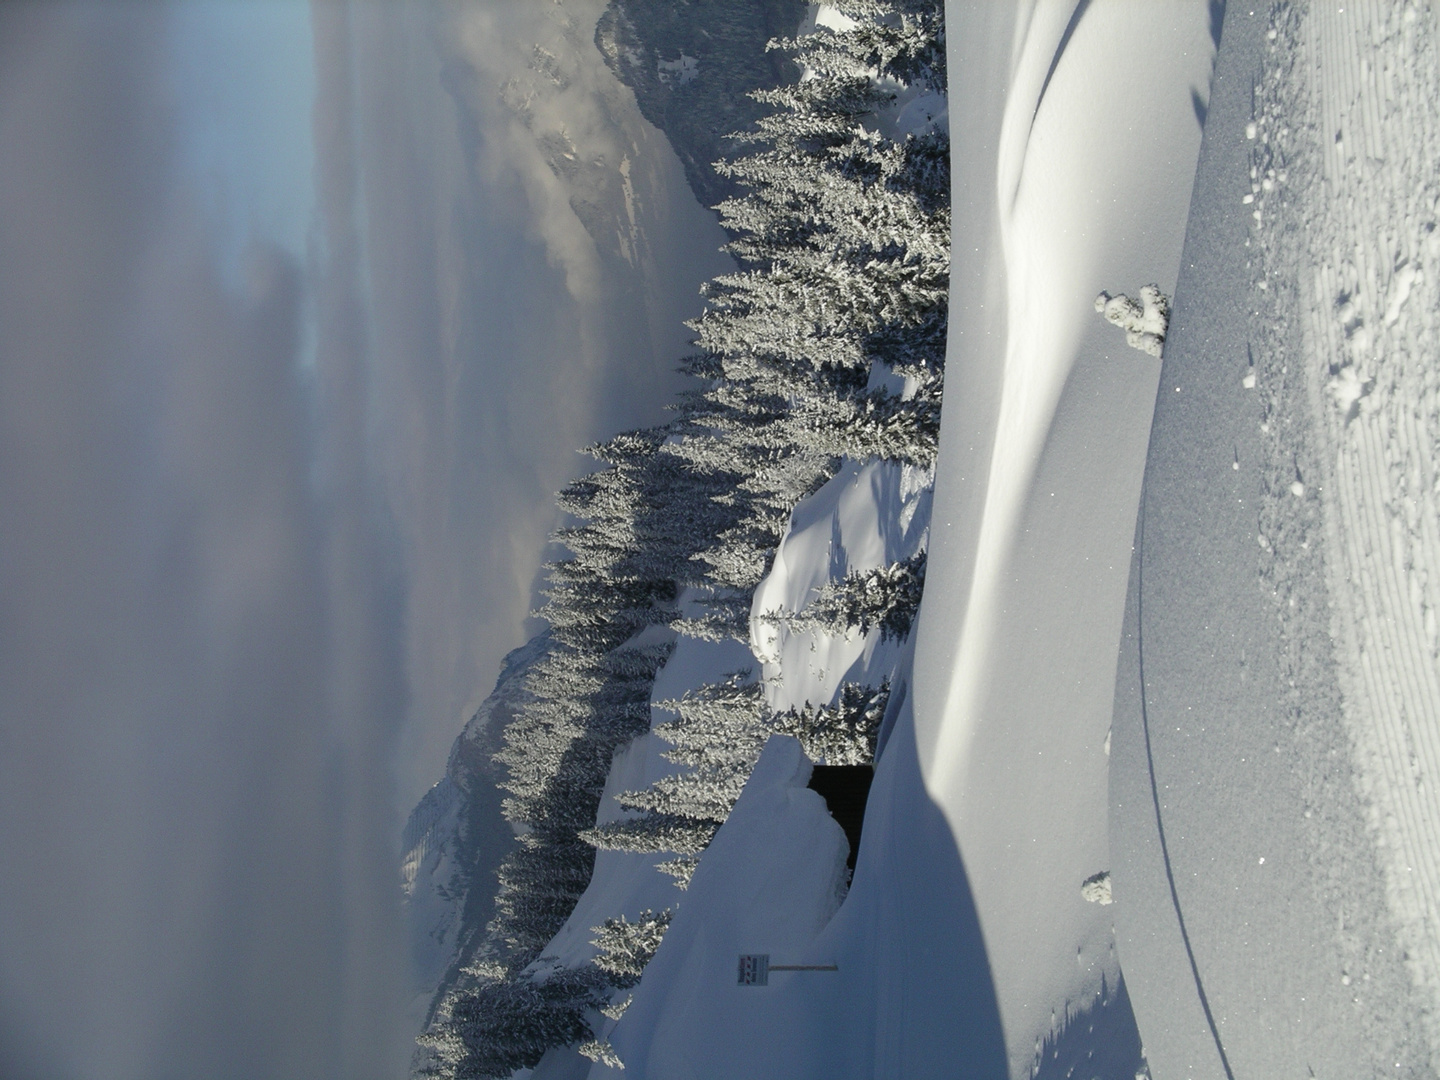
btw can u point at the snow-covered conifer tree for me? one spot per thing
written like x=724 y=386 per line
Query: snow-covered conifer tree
x=843 y=733
x=887 y=597
x=498 y=1027
x=652 y=833
x=626 y=947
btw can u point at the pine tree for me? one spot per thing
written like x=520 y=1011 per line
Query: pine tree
x=681 y=868
x=652 y=833
x=626 y=947
x=602 y=1052
x=720 y=723
x=492 y=1029
x=887 y=597
x=843 y=733
x=705 y=794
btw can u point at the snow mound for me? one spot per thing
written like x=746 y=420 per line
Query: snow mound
x=769 y=882
x=865 y=517
x=1096 y=888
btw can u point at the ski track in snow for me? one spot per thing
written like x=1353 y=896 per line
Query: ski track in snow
x=1367 y=82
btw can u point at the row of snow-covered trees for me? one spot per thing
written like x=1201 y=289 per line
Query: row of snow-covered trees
x=826 y=343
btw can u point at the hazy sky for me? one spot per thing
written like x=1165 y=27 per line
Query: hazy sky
x=298 y=333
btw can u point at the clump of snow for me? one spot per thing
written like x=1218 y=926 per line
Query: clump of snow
x=1347 y=388
x=603 y=1052
x=1096 y=888
x=1407 y=275
x=1144 y=321
x=830 y=17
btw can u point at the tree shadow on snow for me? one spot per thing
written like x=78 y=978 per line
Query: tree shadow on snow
x=1098 y=1042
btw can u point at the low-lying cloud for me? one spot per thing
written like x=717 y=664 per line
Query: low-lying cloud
x=267 y=534
x=201 y=673
x=532 y=251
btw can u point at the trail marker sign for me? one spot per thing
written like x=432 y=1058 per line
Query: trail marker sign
x=755 y=968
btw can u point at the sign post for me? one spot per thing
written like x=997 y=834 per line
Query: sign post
x=755 y=968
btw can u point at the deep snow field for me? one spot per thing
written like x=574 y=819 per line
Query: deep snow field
x=1235 y=709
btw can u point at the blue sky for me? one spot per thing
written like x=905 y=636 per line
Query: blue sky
x=245 y=78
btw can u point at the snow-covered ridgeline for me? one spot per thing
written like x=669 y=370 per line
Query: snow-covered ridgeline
x=1367 y=78
x=454 y=839
x=429 y=871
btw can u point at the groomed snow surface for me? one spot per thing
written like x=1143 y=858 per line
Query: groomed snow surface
x=1369 y=290
x=1273 y=832
x=966 y=944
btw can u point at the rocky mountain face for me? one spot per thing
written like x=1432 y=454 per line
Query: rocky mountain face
x=456 y=837
x=692 y=65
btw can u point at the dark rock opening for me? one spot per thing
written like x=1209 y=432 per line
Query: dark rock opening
x=845 y=788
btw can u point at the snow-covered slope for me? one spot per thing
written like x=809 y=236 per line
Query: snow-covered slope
x=1073 y=171
x=1273 y=819
x=1371 y=216
x=769 y=882
x=624 y=882
x=964 y=944
x=866 y=516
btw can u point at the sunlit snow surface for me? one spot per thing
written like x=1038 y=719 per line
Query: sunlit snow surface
x=867 y=516
x=1072 y=170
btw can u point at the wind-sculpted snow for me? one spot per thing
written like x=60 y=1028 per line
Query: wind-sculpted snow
x=1042 y=449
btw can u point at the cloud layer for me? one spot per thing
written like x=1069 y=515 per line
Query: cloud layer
x=201 y=675
x=269 y=529
x=532 y=251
